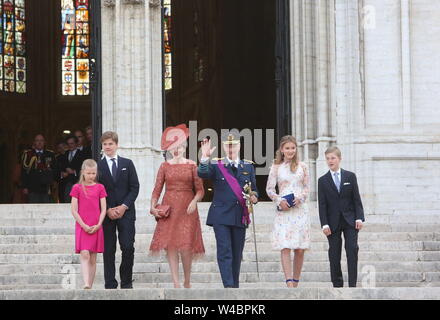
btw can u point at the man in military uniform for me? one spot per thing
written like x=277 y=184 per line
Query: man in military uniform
x=228 y=214
x=38 y=166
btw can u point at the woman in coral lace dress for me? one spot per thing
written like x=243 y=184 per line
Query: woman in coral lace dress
x=180 y=233
x=291 y=229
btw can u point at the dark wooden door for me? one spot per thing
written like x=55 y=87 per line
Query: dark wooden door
x=233 y=42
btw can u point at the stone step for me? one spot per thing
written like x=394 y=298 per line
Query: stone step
x=264 y=213
x=227 y=294
x=309 y=266
x=210 y=246
x=140 y=257
x=217 y=285
x=215 y=277
x=143 y=229
x=260 y=237
x=66 y=220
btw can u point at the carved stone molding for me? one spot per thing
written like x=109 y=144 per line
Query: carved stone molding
x=155 y=3
x=133 y=1
x=109 y=3
x=112 y=3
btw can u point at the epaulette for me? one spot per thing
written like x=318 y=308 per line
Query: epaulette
x=217 y=159
x=248 y=161
x=50 y=150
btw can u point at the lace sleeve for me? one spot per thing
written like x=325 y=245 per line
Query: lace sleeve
x=160 y=181
x=271 y=184
x=306 y=184
x=198 y=185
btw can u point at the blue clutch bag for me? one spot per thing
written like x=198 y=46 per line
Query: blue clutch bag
x=289 y=198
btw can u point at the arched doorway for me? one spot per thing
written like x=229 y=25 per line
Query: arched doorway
x=227 y=65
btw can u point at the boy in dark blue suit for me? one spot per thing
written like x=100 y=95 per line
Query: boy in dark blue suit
x=227 y=214
x=119 y=177
x=340 y=211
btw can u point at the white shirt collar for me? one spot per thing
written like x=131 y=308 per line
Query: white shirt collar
x=333 y=172
x=110 y=159
x=110 y=162
x=236 y=162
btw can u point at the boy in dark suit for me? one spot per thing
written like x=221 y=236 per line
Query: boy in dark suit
x=340 y=211
x=119 y=177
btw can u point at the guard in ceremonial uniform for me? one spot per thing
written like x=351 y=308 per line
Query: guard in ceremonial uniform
x=228 y=213
x=38 y=167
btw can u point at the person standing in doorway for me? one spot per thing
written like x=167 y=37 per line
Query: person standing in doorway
x=71 y=163
x=37 y=174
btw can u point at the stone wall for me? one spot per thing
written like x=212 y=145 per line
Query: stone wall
x=387 y=84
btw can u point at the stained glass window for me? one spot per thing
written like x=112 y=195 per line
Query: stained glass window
x=12 y=46
x=167 y=37
x=75 y=47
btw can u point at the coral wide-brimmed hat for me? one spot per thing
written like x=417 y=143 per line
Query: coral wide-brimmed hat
x=173 y=137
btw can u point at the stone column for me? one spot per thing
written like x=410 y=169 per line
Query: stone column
x=325 y=80
x=313 y=98
x=132 y=85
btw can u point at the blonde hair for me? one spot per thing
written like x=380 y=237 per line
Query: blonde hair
x=279 y=156
x=87 y=164
x=335 y=150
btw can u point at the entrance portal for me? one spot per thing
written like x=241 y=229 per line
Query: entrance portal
x=220 y=66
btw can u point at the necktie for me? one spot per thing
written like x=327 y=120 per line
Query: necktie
x=234 y=168
x=337 y=181
x=70 y=156
x=114 y=169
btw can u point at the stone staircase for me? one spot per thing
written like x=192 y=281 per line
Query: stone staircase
x=399 y=258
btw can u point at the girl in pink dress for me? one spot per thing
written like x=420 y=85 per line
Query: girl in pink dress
x=89 y=210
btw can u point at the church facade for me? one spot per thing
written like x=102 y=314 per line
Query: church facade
x=364 y=75
x=360 y=74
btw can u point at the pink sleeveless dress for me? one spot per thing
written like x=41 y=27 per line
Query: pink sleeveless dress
x=89 y=211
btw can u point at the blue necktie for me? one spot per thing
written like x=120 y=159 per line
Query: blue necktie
x=234 y=168
x=114 y=169
x=337 y=181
